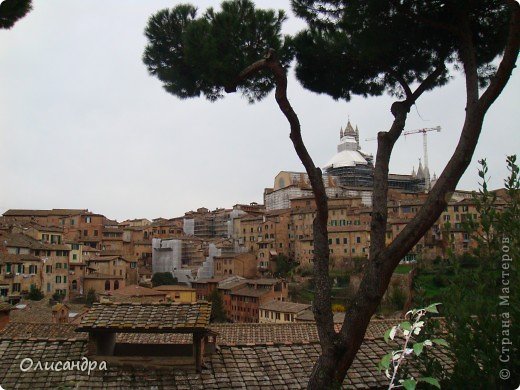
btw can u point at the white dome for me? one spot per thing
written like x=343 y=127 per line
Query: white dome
x=346 y=158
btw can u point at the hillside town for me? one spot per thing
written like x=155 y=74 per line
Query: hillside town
x=65 y=253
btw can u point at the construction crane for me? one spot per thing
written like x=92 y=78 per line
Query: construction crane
x=424 y=132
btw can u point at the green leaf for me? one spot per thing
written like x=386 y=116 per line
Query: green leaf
x=405 y=326
x=385 y=361
x=432 y=308
x=409 y=384
x=440 y=342
x=418 y=348
x=431 y=381
x=387 y=335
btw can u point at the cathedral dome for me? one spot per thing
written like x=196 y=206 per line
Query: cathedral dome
x=349 y=153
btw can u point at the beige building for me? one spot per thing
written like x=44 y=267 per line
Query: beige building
x=242 y=264
x=281 y=311
x=178 y=293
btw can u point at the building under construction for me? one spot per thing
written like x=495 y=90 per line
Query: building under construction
x=353 y=167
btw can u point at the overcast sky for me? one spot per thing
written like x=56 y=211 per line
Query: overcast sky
x=83 y=125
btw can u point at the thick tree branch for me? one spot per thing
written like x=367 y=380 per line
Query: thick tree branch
x=322 y=304
x=499 y=81
x=403 y=83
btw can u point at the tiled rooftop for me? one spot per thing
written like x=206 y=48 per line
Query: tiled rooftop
x=250 y=292
x=35 y=331
x=286 y=307
x=39 y=311
x=232 y=366
x=147 y=317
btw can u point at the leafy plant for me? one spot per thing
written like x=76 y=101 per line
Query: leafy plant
x=163 y=278
x=91 y=297
x=218 y=313
x=394 y=360
x=58 y=296
x=35 y=294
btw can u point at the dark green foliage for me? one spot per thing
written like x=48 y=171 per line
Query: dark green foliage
x=58 y=297
x=397 y=297
x=163 y=278
x=91 y=297
x=477 y=323
x=196 y=56
x=284 y=266
x=13 y=10
x=218 y=313
x=35 y=294
x=367 y=47
x=343 y=280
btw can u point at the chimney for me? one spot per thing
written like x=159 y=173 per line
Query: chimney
x=5 y=308
x=60 y=314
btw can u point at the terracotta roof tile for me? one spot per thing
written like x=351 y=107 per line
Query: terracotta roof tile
x=35 y=331
x=286 y=307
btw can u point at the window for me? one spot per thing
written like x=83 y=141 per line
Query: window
x=65 y=265
x=85 y=232
x=58 y=279
x=74 y=256
x=133 y=265
x=58 y=265
x=48 y=287
x=16 y=287
x=358 y=240
x=64 y=279
x=116 y=284
x=95 y=232
x=8 y=268
x=337 y=241
x=74 y=285
x=277 y=316
x=88 y=219
x=48 y=269
x=107 y=285
x=33 y=269
x=345 y=240
x=21 y=268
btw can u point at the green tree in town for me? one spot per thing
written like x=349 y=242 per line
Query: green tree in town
x=163 y=278
x=13 y=10
x=284 y=266
x=218 y=313
x=35 y=294
x=367 y=48
x=91 y=297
